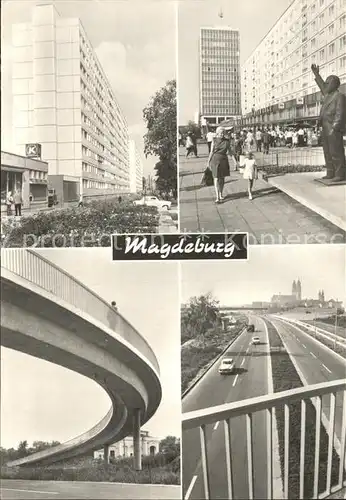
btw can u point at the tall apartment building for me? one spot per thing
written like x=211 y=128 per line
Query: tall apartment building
x=63 y=101
x=136 y=169
x=277 y=79
x=219 y=74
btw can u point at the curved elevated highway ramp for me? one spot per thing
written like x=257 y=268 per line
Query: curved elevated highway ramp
x=49 y=314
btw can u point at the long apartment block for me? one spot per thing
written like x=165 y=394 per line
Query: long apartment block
x=278 y=72
x=63 y=100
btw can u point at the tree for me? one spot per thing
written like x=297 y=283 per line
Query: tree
x=22 y=450
x=198 y=316
x=161 y=139
x=170 y=445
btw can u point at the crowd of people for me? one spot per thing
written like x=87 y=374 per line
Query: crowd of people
x=258 y=139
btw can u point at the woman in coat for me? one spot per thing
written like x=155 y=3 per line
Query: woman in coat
x=218 y=161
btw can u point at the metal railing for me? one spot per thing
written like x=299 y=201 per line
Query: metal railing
x=246 y=408
x=38 y=270
x=286 y=159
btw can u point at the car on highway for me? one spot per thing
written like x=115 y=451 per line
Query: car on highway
x=226 y=366
x=255 y=340
x=307 y=312
x=153 y=201
x=250 y=328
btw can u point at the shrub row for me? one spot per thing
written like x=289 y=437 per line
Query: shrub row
x=290 y=169
x=91 y=225
x=101 y=472
x=285 y=377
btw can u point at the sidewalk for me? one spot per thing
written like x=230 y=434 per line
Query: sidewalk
x=271 y=217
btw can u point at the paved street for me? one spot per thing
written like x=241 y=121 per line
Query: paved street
x=315 y=364
x=25 y=490
x=271 y=217
x=250 y=380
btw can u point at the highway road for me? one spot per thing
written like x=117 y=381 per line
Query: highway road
x=315 y=363
x=249 y=380
x=42 y=490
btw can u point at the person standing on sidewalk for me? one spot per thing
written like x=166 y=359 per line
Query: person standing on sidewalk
x=218 y=161
x=210 y=138
x=17 y=199
x=266 y=141
x=259 y=140
x=250 y=171
x=189 y=145
x=194 y=141
x=9 y=202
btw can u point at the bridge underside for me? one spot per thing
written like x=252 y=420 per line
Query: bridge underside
x=36 y=325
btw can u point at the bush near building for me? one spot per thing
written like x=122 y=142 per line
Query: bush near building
x=285 y=377
x=91 y=225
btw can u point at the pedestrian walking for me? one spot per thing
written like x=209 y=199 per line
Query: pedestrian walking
x=80 y=203
x=249 y=144
x=250 y=171
x=210 y=138
x=18 y=200
x=194 y=141
x=259 y=140
x=9 y=202
x=189 y=145
x=218 y=161
x=301 y=134
x=266 y=141
x=114 y=305
x=238 y=150
x=295 y=139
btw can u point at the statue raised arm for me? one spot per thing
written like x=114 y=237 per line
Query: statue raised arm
x=319 y=80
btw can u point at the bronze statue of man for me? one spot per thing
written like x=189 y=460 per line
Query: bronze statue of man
x=333 y=121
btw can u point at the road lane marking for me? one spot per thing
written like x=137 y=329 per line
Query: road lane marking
x=32 y=491
x=235 y=380
x=216 y=426
x=242 y=362
x=312 y=354
x=192 y=484
x=324 y=366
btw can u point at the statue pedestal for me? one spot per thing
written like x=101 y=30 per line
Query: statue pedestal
x=330 y=182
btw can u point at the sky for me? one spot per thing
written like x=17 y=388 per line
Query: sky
x=54 y=403
x=253 y=18
x=137 y=54
x=270 y=270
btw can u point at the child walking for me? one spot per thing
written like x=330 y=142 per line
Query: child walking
x=250 y=171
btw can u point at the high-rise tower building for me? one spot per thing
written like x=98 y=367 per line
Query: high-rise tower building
x=219 y=74
x=62 y=100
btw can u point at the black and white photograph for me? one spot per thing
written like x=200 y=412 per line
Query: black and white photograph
x=173 y=249
x=88 y=132
x=262 y=119
x=263 y=352
x=90 y=399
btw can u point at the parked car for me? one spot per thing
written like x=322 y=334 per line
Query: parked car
x=250 y=328
x=255 y=340
x=226 y=366
x=153 y=201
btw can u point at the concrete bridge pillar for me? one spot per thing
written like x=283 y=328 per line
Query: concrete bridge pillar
x=106 y=453
x=137 y=440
